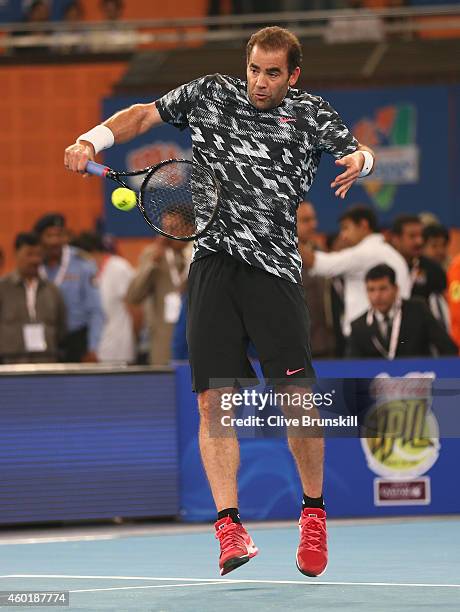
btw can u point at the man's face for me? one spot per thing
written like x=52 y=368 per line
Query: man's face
x=436 y=248
x=268 y=77
x=381 y=294
x=410 y=242
x=39 y=12
x=28 y=260
x=306 y=222
x=52 y=240
x=352 y=233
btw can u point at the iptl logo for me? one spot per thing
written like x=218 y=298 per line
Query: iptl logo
x=403 y=422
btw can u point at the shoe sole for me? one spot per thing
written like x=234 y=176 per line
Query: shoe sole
x=233 y=564
x=306 y=573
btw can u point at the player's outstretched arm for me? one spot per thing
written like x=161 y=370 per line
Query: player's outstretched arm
x=121 y=127
x=354 y=164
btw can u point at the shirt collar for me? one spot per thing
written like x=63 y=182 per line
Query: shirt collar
x=380 y=316
x=18 y=280
x=371 y=313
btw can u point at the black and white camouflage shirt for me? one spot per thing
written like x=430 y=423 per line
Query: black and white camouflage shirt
x=265 y=161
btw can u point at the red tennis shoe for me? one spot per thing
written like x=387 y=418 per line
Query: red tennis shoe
x=311 y=558
x=236 y=545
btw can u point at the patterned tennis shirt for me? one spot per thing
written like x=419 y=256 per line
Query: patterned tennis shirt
x=265 y=162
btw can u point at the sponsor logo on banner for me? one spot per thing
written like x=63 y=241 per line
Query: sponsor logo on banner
x=392 y=134
x=152 y=154
x=402 y=493
x=402 y=440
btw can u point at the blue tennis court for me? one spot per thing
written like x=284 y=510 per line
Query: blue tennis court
x=410 y=564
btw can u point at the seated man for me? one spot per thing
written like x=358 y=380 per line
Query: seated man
x=393 y=327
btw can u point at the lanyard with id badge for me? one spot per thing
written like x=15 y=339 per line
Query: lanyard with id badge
x=33 y=333
x=172 y=299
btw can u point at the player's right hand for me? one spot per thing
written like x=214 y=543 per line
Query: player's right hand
x=78 y=155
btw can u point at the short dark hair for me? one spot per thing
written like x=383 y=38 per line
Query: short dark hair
x=435 y=230
x=91 y=242
x=397 y=227
x=26 y=239
x=381 y=271
x=49 y=220
x=275 y=38
x=359 y=213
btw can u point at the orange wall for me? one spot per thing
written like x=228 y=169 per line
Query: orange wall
x=146 y=9
x=43 y=109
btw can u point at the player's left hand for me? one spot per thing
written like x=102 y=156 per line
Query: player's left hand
x=353 y=164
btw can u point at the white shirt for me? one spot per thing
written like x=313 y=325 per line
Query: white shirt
x=352 y=264
x=117 y=342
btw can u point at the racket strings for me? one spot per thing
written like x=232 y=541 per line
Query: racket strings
x=180 y=198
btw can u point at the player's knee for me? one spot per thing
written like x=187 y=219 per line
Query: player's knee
x=213 y=403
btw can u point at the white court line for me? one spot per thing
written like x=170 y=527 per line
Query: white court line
x=53 y=539
x=230 y=581
x=151 y=586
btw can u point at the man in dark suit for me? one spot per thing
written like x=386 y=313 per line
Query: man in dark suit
x=393 y=327
x=428 y=278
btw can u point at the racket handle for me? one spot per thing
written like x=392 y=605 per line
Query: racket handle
x=96 y=169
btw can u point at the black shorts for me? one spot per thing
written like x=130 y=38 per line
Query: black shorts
x=231 y=303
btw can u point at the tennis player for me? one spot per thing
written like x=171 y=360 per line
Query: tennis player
x=263 y=139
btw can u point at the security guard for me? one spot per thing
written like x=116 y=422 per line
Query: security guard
x=74 y=274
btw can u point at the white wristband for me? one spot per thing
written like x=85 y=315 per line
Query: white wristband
x=101 y=137
x=368 y=164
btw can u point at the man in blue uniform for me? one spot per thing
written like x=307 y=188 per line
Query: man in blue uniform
x=74 y=275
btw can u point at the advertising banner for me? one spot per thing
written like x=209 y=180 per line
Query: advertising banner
x=398 y=461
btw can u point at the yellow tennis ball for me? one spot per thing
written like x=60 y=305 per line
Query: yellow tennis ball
x=124 y=199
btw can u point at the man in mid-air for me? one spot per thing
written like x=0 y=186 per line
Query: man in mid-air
x=263 y=139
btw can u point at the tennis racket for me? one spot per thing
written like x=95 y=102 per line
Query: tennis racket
x=178 y=198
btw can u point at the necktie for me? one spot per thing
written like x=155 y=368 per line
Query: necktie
x=388 y=329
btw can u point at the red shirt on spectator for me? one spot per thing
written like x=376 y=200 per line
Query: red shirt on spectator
x=453 y=289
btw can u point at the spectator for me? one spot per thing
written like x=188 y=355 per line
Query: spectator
x=110 y=37
x=118 y=337
x=366 y=248
x=73 y=14
x=317 y=289
x=112 y=10
x=436 y=243
x=393 y=327
x=74 y=274
x=428 y=279
x=161 y=277
x=453 y=296
x=32 y=311
x=36 y=11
